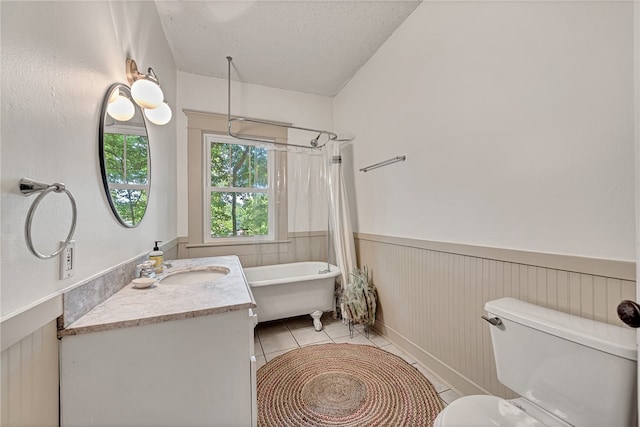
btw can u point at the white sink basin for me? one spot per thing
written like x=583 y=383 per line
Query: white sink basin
x=195 y=275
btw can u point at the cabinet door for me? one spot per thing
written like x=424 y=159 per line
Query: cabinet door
x=188 y=372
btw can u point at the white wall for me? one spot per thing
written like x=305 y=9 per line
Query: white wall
x=196 y=92
x=517 y=122
x=58 y=59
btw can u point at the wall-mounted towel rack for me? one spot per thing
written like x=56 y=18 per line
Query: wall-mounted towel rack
x=384 y=163
x=29 y=187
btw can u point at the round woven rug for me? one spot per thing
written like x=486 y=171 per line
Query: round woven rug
x=344 y=385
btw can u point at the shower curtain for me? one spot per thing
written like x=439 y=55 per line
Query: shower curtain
x=318 y=209
x=339 y=218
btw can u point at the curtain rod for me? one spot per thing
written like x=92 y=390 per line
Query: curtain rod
x=313 y=144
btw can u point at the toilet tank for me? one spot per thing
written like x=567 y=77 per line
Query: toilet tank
x=580 y=370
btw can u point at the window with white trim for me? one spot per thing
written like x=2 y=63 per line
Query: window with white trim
x=239 y=190
x=127 y=168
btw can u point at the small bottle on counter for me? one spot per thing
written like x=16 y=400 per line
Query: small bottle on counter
x=156 y=256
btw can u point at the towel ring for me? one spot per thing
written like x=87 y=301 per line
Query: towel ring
x=29 y=187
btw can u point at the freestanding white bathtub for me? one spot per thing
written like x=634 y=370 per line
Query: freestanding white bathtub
x=286 y=290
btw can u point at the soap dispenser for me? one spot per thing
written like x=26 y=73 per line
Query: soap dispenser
x=156 y=256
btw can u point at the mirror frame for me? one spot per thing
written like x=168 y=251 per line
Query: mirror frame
x=103 y=166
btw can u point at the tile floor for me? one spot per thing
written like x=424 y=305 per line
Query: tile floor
x=277 y=337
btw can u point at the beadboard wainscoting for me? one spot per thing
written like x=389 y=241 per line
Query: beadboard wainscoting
x=299 y=246
x=431 y=296
x=30 y=379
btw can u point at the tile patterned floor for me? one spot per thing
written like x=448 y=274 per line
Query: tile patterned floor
x=275 y=338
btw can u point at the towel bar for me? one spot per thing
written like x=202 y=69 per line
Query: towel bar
x=384 y=163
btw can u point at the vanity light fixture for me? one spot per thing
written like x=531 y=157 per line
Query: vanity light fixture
x=146 y=92
x=120 y=106
x=160 y=115
x=145 y=89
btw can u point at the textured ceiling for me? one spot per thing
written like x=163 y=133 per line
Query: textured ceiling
x=307 y=46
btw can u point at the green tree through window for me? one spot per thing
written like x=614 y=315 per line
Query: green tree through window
x=239 y=189
x=126 y=160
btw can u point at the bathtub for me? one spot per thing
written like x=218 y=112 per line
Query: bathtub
x=286 y=290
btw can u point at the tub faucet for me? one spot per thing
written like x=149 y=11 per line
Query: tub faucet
x=146 y=269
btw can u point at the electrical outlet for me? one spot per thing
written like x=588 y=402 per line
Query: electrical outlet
x=68 y=260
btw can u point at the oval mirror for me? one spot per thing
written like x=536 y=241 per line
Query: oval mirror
x=124 y=156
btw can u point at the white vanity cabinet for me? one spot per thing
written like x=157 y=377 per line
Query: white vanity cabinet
x=193 y=371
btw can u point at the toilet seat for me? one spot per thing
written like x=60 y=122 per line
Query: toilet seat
x=484 y=411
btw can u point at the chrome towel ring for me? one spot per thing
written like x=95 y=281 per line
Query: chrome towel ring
x=29 y=187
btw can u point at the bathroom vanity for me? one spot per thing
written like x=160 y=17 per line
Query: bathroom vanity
x=178 y=353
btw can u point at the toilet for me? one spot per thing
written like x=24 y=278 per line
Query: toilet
x=567 y=370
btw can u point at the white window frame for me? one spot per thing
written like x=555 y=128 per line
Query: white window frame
x=210 y=138
x=126 y=130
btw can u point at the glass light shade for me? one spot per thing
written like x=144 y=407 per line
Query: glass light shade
x=147 y=93
x=160 y=115
x=114 y=94
x=121 y=108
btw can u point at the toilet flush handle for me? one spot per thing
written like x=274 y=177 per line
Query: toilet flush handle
x=495 y=321
x=629 y=313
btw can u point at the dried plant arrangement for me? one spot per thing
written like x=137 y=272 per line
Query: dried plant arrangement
x=359 y=298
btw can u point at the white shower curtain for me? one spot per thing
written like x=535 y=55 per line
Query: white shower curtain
x=339 y=217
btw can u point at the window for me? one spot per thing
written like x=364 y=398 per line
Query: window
x=239 y=194
x=202 y=129
x=126 y=170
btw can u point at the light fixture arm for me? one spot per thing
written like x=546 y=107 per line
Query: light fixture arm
x=152 y=75
x=133 y=74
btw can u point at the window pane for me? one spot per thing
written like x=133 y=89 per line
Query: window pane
x=239 y=214
x=137 y=160
x=234 y=165
x=126 y=166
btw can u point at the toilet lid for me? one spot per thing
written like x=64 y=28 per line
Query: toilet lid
x=481 y=411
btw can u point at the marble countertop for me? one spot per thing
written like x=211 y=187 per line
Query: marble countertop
x=163 y=302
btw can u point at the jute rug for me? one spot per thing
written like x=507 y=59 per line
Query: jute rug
x=344 y=385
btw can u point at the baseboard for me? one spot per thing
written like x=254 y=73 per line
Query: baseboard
x=455 y=380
